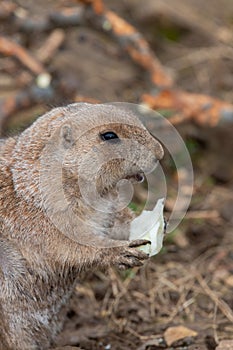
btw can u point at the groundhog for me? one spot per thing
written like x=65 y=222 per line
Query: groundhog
x=61 y=212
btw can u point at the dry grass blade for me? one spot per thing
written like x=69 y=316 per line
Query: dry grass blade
x=202 y=214
x=224 y=307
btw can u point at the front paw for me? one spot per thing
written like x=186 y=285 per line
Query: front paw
x=130 y=255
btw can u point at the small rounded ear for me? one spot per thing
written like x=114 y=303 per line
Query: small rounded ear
x=67 y=136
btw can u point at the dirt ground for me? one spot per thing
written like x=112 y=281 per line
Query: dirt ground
x=190 y=283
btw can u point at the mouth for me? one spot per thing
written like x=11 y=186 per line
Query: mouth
x=136 y=178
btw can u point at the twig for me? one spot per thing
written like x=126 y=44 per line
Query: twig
x=138 y=49
x=97 y=5
x=201 y=109
x=50 y=46
x=10 y=48
x=130 y=39
x=66 y=17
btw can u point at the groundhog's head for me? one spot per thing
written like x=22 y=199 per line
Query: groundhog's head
x=103 y=145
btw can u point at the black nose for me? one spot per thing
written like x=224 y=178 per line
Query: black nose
x=139 y=177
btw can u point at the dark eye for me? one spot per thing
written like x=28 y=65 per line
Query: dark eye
x=107 y=136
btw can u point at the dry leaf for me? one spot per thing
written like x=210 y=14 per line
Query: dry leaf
x=225 y=345
x=172 y=334
x=229 y=281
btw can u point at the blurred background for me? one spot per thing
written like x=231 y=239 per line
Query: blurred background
x=173 y=56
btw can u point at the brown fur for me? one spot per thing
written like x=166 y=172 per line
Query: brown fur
x=47 y=237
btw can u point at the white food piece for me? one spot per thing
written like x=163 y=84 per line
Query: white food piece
x=43 y=80
x=149 y=225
